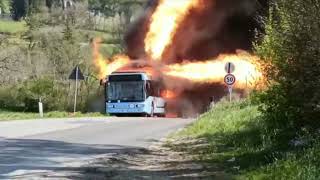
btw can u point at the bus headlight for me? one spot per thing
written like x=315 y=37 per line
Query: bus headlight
x=110 y=106
x=131 y=105
x=140 y=105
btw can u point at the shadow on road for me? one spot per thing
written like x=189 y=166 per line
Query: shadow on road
x=21 y=156
x=42 y=159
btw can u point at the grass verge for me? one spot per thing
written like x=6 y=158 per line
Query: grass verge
x=7 y=115
x=232 y=136
x=12 y=27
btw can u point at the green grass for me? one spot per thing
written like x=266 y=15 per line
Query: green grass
x=12 y=27
x=236 y=131
x=302 y=165
x=7 y=115
x=224 y=118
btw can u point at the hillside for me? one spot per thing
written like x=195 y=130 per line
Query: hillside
x=45 y=45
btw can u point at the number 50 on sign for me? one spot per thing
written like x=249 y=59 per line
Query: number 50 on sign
x=230 y=79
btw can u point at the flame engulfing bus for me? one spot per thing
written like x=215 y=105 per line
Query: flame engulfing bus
x=133 y=93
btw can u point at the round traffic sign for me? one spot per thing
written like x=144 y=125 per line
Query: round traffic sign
x=230 y=79
x=230 y=67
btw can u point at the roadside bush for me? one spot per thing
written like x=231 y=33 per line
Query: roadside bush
x=55 y=95
x=291 y=51
x=9 y=98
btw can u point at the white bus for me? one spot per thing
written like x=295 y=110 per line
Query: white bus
x=133 y=93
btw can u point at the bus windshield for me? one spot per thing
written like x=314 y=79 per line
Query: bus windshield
x=127 y=91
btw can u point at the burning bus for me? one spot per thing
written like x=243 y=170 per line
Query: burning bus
x=187 y=57
x=133 y=93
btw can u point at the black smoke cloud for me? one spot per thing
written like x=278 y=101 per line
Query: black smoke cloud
x=222 y=26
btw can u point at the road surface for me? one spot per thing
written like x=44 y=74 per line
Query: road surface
x=49 y=146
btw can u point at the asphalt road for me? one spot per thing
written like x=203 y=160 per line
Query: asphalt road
x=47 y=146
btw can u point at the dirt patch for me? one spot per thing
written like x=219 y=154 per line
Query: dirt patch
x=160 y=161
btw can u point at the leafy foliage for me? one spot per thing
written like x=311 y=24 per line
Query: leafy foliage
x=291 y=48
x=4 y=6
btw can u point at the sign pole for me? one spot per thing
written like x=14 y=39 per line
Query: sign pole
x=230 y=79
x=76 y=91
x=76 y=75
x=230 y=93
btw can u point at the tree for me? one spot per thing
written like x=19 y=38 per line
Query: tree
x=35 y=6
x=110 y=8
x=19 y=9
x=126 y=9
x=4 y=6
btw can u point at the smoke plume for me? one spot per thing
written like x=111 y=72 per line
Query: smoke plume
x=221 y=26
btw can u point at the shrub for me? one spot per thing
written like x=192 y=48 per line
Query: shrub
x=291 y=49
x=55 y=95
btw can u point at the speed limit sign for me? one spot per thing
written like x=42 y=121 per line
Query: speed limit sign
x=230 y=79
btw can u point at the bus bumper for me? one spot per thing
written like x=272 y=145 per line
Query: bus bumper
x=126 y=108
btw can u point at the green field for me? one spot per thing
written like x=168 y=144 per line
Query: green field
x=237 y=143
x=12 y=27
x=7 y=115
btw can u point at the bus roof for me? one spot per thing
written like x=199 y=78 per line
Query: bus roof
x=143 y=75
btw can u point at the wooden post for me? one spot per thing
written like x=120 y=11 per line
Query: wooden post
x=76 y=91
x=40 y=108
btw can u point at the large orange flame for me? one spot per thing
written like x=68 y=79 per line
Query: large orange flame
x=105 y=66
x=247 y=71
x=168 y=94
x=247 y=68
x=164 y=23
